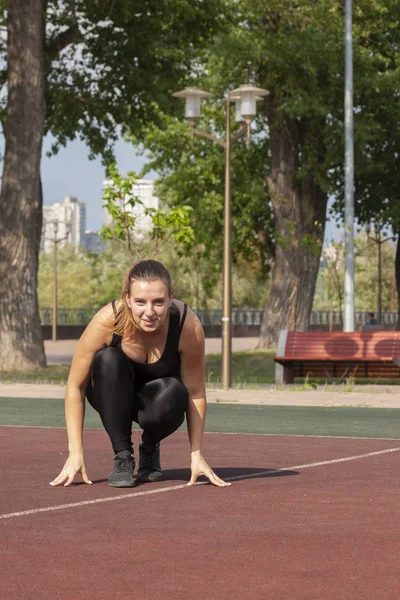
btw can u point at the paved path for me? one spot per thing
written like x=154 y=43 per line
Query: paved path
x=385 y=398
x=372 y=396
x=59 y=353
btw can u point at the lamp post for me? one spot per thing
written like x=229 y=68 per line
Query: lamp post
x=378 y=240
x=56 y=241
x=245 y=98
x=54 y=320
x=349 y=174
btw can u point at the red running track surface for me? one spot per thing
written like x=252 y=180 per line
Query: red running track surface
x=313 y=532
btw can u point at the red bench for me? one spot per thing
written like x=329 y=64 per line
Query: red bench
x=336 y=355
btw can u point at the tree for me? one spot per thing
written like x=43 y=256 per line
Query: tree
x=273 y=44
x=78 y=68
x=377 y=122
x=20 y=197
x=125 y=210
x=191 y=172
x=296 y=50
x=331 y=275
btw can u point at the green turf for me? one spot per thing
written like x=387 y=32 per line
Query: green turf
x=285 y=420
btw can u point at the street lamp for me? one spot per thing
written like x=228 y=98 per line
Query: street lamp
x=378 y=240
x=56 y=241
x=245 y=98
x=54 y=320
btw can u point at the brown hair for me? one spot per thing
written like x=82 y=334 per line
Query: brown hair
x=144 y=270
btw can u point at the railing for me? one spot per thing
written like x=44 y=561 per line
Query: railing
x=82 y=316
x=67 y=316
x=322 y=317
x=240 y=316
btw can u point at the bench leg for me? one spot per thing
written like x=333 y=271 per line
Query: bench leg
x=283 y=374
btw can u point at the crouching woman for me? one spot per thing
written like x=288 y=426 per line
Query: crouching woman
x=140 y=359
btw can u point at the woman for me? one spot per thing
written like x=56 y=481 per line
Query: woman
x=140 y=359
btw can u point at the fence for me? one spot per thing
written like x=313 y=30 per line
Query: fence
x=67 y=316
x=323 y=318
x=240 y=317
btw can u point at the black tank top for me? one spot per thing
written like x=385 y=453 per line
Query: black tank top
x=168 y=365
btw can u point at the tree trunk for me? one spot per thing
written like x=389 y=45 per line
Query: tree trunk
x=299 y=207
x=21 y=344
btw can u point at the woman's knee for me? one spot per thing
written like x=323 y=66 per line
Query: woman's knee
x=167 y=396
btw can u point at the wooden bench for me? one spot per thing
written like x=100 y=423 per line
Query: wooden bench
x=337 y=355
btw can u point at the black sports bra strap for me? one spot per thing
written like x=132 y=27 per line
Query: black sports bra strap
x=181 y=324
x=114 y=307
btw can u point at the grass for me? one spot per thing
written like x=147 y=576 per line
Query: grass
x=250 y=368
x=253 y=367
x=51 y=374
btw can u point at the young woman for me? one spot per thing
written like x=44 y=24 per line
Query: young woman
x=140 y=359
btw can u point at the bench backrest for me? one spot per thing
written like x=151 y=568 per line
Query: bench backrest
x=322 y=345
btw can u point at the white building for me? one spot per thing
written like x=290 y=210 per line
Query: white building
x=70 y=217
x=144 y=191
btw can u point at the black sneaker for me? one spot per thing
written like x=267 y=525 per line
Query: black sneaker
x=122 y=472
x=149 y=464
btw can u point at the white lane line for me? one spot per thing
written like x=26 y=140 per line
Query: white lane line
x=310 y=465
x=265 y=473
x=296 y=435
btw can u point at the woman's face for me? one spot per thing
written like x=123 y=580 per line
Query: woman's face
x=149 y=303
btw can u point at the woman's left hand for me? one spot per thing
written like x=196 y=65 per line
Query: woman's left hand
x=200 y=467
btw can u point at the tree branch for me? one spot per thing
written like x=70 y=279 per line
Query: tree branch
x=63 y=39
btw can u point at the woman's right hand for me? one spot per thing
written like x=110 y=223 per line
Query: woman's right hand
x=75 y=464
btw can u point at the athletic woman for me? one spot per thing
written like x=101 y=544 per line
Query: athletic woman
x=140 y=359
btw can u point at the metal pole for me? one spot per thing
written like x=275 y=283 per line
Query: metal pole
x=227 y=277
x=54 y=321
x=331 y=289
x=378 y=236
x=349 y=176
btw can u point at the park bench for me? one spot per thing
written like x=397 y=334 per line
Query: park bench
x=337 y=355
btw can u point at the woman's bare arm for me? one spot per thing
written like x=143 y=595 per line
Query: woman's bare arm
x=192 y=372
x=96 y=336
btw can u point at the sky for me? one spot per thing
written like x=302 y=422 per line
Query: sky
x=71 y=173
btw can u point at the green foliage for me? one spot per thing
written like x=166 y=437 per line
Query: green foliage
x=111 y=64
x=122 y=206
x=297 y=52
x=75 y=282
x=329 y=292
x=193 y=174
x=84 y=280
x=92 y=280
x=376 y=34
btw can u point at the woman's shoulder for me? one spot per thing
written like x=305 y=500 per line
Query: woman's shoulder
x=98 y=332
x=192 y=329
x=182 y=310
x=106 y=314
x=103 y=320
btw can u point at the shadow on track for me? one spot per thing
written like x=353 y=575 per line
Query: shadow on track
x=227 y=472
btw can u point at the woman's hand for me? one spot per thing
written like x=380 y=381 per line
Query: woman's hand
x=200 y=467
x=75 y=464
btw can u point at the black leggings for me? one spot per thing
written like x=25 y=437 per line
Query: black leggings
x=159 y=407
